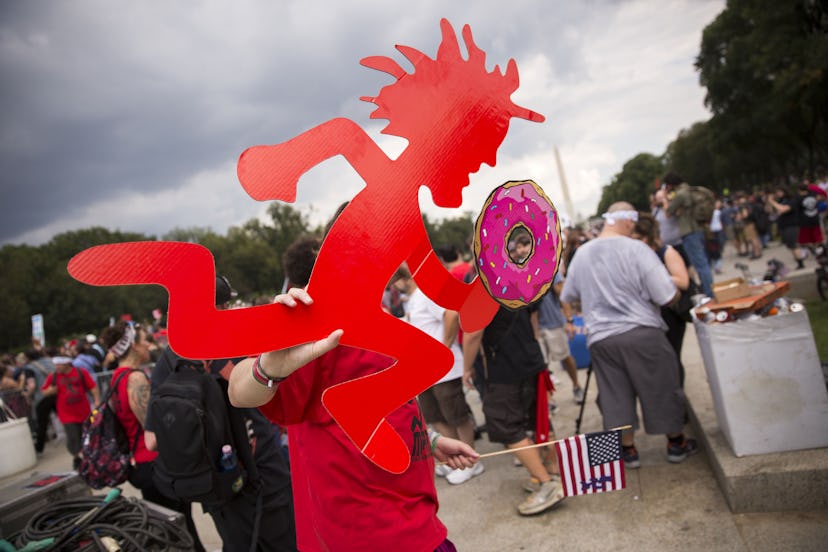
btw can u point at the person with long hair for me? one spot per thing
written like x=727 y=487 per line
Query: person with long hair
x=646 y=230
x=128 y=344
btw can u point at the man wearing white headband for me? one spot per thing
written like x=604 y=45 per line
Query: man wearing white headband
x=621 y=284
x=611 y=216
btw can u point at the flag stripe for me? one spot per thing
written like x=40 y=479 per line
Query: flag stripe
x=581 y=465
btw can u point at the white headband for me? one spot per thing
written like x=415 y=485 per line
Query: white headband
x=124 y=343
x=620 y=215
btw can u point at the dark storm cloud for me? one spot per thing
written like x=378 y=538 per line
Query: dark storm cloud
x=112 y=108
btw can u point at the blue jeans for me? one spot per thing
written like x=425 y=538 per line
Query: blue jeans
x=694 y=247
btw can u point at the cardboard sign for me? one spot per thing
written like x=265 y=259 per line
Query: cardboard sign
x=454 y=114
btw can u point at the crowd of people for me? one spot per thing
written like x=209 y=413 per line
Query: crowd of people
x=626 y=279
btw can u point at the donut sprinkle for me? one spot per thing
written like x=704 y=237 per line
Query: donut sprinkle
x=517 y=283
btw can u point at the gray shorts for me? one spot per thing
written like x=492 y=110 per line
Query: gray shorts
x=445 y=403
x=639 y=363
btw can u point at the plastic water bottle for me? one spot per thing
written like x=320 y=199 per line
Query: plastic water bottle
x=228 y=458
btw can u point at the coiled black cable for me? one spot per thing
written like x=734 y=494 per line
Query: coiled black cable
x=125 y=520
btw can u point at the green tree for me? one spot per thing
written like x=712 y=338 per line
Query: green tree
x=456 y=231
x=691 y=156
x=634 y=183
x=37 y=282
x=252 y=265
x=765 y=66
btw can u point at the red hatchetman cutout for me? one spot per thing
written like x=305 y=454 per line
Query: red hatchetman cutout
x=454 y=114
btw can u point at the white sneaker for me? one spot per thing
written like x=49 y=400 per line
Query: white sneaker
x=457 y=477
x=549 y=494
x=442 y=470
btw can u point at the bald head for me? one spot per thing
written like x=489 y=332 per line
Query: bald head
x=620 y=219
x=620 y=206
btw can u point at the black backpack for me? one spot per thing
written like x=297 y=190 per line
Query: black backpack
x=192 y=420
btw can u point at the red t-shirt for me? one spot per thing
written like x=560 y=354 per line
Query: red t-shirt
x=459 y=271
x=120 y=401
x=342 y=500
x=72 y=405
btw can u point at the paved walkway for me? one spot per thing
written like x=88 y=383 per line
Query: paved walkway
x=665 y=507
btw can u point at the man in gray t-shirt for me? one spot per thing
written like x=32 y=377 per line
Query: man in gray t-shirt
x=621 y=285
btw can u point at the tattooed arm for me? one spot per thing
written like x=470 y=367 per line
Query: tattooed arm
x=138 y=390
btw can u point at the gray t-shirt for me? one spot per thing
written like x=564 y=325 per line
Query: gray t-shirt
x=621 y=284
x=668 y=228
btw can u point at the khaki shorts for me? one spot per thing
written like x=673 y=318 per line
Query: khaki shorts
x=554 y=344
x=445 y=403
x=750 y=232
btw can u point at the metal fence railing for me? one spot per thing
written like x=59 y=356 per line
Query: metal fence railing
x=13 y=405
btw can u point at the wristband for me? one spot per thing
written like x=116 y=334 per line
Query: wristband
x=434 y=442
x=260 y=376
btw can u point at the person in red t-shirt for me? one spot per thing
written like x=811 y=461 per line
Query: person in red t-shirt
x=332 y=480
x=71 y=385
x=451 y=259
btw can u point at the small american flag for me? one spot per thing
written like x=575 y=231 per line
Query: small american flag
x=591 y=463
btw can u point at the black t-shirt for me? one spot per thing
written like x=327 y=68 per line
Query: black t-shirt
x=808 y=210
x=271 y=465
x=788 y=218
x=511 y=350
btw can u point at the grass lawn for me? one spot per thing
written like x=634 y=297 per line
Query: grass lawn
x=818 y=314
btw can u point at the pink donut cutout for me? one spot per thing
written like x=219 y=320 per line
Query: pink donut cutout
x=512 y=205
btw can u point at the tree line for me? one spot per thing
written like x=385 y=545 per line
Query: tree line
x=36 y=280
x=764 y=64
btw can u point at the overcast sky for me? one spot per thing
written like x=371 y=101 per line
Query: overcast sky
x=131 y=115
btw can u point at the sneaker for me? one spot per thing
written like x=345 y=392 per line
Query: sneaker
x=678 y=452
x=442 y=470
x=578 y=394
x=457 y=477
x=532 y=485
x=630 y=455
x=549 y=494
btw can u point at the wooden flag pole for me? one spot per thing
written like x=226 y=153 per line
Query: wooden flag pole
x=538 y=445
